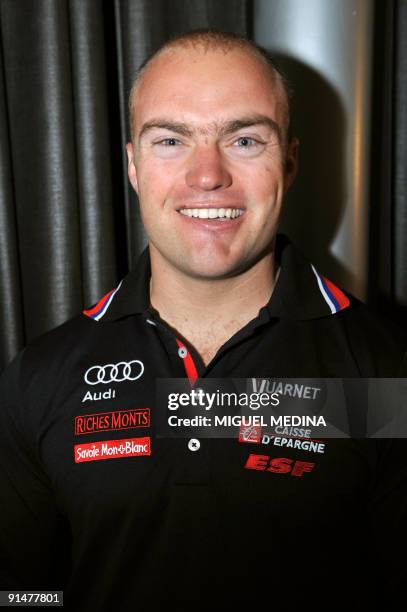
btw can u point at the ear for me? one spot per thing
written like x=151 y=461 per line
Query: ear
x=131 y=168
x=291 y=163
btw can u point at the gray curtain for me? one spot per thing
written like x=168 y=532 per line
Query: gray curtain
x=388 y=202
x=400 y=153
x=69 y=223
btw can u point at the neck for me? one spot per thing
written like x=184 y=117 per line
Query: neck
x=206 y=313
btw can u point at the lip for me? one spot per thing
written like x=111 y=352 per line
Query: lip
x=216 y=205
x=214 y=225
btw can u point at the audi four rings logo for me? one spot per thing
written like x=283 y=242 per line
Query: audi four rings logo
x=114 y=372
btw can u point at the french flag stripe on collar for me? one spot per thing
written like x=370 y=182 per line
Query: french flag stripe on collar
x=333 y=296
x=103 y=304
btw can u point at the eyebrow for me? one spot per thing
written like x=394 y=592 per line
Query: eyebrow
x=225 y=129
x=172 y=126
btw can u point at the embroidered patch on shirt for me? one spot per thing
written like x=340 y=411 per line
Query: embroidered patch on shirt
x=251 y=433
x=109 y=421
x=112 y=449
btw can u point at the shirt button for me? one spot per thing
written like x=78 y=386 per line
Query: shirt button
x=194 y=444
x=182 y=352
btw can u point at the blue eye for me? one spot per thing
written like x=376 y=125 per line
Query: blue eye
x=245 y=142
x=169 y=142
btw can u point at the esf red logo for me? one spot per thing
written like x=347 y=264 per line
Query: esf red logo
x=278 y=465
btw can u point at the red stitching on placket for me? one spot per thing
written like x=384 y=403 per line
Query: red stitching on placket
x=189 y=365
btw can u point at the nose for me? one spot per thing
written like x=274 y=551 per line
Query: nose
x=207 y=170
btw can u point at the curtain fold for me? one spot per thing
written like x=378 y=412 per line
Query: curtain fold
x=94 y=176
x=42 y=154
x=388 y=200
x=69 y=221
x=400 y=154
x=11 y=306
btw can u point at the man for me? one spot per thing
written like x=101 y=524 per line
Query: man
x=95 y=500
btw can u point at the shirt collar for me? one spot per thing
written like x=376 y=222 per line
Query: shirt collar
x=301 y=292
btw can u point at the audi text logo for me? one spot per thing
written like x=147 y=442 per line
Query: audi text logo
x=114 y=372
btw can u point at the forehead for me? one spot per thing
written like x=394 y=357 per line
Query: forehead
x=207 y=85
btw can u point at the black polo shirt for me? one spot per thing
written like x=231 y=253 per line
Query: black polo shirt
x=95 y=503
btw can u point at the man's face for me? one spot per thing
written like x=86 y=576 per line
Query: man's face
x=209 y=160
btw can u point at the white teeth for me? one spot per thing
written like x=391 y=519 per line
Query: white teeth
x=212 y=213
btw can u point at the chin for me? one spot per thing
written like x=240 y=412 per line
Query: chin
x=212 y=270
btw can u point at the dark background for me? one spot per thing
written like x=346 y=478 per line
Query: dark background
x=69 y=222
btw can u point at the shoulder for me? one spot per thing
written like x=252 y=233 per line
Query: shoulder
x=64 y=349
x=50 y=358
x=378 y=344
x=348 y=335
x=53 y=347
x=43 y=358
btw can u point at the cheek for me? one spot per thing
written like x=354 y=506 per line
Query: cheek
x=264 y=185
x=152 y=192
x=155 y=188
x=156 y=181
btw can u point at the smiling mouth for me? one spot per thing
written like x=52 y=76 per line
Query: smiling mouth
x=212 y=213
